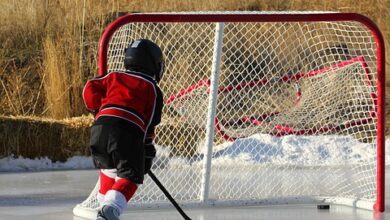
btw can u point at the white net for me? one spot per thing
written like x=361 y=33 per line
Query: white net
x=296 y=111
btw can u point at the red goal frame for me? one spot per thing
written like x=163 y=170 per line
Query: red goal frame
x=380 y=110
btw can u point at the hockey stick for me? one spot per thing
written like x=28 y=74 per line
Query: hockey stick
x=174 y=203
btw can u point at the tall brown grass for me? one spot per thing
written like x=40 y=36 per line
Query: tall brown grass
x=49 y=47
x=48 y=51
x=55 y=80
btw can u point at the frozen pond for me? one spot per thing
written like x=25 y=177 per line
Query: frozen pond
x=53 y=194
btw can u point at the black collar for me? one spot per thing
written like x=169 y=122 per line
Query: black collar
x=143 y=75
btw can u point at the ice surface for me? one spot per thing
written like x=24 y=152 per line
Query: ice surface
x=41 y=189
x=51 y=195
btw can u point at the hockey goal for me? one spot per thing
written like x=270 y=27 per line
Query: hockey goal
x=262 y=108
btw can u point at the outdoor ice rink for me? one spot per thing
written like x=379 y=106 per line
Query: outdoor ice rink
x=52 y=195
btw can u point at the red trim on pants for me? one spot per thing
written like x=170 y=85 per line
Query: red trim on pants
x=126 y=187
x=106 y=183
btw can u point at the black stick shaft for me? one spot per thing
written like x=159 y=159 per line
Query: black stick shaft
x=174 y=203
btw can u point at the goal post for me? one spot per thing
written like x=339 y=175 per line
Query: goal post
x=262 y=107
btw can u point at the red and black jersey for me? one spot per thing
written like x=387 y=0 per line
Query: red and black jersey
x=131 y=96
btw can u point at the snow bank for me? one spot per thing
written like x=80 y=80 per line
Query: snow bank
x=260 y=148
x=9 y=164
x=298 y=150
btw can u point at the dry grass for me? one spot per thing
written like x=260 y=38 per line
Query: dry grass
x=48 y=53
x=56 y=80
x=33 y=137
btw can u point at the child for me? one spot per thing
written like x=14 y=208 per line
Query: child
x=127 y=107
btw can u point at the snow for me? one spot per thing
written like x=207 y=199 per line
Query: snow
x=298 y=150
x=13 y=164
x=304 y=150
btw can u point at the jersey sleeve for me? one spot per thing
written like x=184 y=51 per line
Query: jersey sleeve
x=93 y=94
x=158 y=109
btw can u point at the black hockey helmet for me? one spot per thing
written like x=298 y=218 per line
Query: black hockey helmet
x=145 y=56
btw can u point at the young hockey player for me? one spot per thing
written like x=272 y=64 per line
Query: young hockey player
x=127 y=107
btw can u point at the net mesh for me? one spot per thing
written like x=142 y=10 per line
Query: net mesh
x=296 y=110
